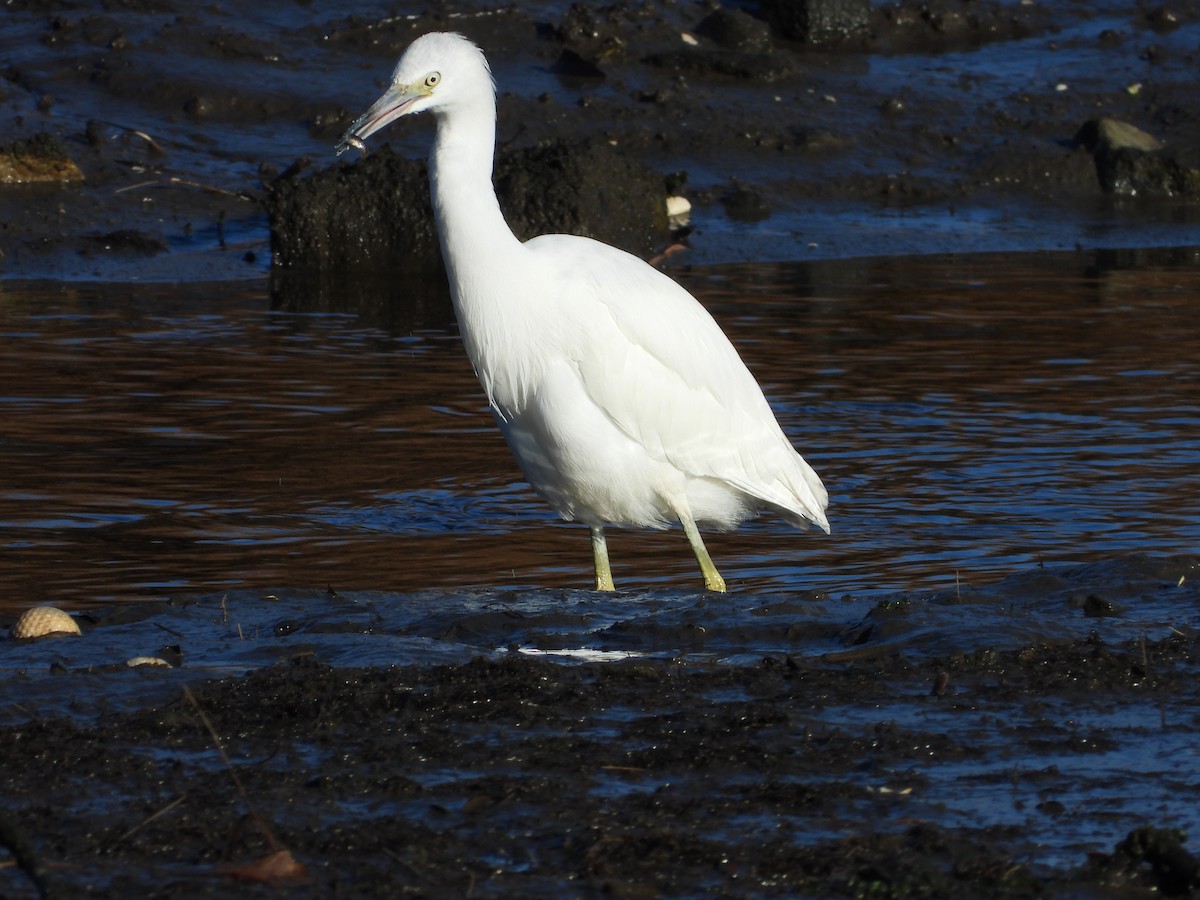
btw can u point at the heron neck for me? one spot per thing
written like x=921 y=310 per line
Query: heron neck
x=474 y=236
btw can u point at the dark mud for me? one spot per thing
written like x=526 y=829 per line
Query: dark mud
x=940 y=126
x=527 y=778
x=560 y=744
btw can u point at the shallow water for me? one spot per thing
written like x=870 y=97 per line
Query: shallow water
x=971 y=416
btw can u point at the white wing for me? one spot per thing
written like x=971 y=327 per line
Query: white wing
x=654 y=360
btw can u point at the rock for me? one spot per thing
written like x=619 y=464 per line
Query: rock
x=706 y=62
x=1114 y=134
x=941 y=26
x=583 y=188
x=733 y=29
x=1149 y=858
x=375 y=218
x=1163 y=18
x=37 y=159
x=373 y=215
x=1132 y=163
x=571 y=65
x=1096 y=607
x=745 y=205
x=818 y=21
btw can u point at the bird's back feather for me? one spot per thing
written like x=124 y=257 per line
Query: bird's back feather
x=658 y=365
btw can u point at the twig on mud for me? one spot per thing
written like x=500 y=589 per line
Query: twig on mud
x=175 y=181
x=259 y=821
x=278 y=867
x=154 y=145
x=171 y=631
x=142 y=824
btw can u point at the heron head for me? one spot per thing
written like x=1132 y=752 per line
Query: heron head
x=438 y=72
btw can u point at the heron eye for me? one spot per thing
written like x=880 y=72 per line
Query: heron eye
x=432 y=79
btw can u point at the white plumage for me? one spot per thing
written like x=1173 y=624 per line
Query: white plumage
x=621 y=398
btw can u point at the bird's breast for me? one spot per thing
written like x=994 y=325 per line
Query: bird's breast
x=577 y=458
x=515 y=347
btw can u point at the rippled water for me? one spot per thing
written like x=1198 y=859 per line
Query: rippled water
x=971 y=416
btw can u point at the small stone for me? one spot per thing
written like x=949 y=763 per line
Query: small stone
x=1131 y=163
x=1097 y=607
x=1113 y=134
x=733 y=29
x=745 y=205
x=43 y=621
x=39 y=159
x=1163 y=19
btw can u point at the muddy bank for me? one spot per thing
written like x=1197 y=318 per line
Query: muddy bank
x=515 y=776
x=1030 y=739
x=935 y=126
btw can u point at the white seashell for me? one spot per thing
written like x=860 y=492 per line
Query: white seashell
x=42 y=621
x=137 y=661
x=678 y=210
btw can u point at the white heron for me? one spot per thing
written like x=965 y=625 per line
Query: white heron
x=621 y=398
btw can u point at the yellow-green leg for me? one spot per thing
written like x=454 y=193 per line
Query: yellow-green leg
x=604 y=581
x=712 y=578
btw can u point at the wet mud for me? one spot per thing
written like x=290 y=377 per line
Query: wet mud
x=545 y=745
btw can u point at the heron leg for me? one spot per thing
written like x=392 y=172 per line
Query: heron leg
x=604 y=580
x=712 y=578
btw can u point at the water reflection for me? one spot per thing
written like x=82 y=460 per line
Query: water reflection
x=971 y=416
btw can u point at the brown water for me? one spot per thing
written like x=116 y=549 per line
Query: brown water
x=971 y=416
